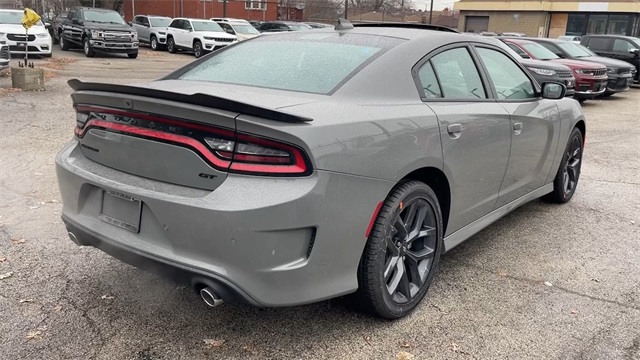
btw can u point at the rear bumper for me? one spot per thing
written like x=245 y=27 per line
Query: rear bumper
x=162 y=267
x=266 y=241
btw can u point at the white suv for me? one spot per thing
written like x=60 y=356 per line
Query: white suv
x=197 y=35
x=4 y=54
x=242 y=29
x=12 y=31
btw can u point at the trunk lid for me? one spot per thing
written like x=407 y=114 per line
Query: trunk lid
x=180 y=136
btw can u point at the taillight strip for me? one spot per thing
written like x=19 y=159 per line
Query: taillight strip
x=144 y=116
x=149 y=133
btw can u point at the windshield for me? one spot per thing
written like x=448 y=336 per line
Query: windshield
x=160 y=22
x=111 y=17
x=539 y=52
x=206 y=26
x=574 y=50
x=245 y=29
x=14 y=18
x=313 y=62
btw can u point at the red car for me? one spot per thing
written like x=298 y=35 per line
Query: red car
x=591 y=78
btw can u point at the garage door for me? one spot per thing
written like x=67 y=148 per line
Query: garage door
x=476 y=24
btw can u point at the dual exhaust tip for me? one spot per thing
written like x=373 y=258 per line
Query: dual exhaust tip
x=207 y=294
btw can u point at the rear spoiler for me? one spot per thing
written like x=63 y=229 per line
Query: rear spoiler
x=199 y=99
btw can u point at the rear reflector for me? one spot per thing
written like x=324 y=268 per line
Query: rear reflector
x=223 y=149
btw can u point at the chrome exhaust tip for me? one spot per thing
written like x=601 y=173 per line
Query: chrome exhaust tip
x=210 y=298
x=74 y=238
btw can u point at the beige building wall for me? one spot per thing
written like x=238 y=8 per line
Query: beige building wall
x=521 y=22
x=558 y=24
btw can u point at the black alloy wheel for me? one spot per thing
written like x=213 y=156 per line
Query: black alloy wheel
x=568 y=175
x=402 y=253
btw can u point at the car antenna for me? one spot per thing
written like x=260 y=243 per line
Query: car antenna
x=343 y=24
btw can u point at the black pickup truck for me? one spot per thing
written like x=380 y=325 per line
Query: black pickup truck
x=98 y=31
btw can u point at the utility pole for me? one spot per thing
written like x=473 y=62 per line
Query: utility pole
x=346 y=9
x=224 y=8
x=431 y=12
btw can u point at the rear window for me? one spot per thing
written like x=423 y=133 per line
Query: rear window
x=305 y=62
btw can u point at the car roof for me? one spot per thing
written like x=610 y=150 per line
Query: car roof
x=612 y=36
x=517 y=40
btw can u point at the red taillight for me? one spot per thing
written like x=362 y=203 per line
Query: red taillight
x=223 y=149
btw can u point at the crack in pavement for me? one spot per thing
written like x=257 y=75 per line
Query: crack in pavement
x=566 y=290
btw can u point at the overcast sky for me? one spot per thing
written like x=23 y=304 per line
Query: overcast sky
x=437 y=4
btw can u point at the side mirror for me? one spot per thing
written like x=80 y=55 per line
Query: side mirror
x=553 y=91
x=129 y=23
x=635 y=52
x=230 y=31
x=75 y=22
x=47 y=25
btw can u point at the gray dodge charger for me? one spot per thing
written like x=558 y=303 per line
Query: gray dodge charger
x=303 y=166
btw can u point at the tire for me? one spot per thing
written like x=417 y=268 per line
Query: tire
x=582 y=100
x=86 y=46
x=133 y=56
x=393 y=291
x=566 y=180
x=64 y=45
x=198 y=51
x=153 y=43
x=171 y=45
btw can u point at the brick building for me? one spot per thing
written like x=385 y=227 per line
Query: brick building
x=250 y=10
x=550 y=18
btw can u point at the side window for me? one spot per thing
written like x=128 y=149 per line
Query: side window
x=459 y=77
x=429 y=81
x=175 y=24
x=72 y=14
x=518 y=51
x=620 y=45
x=144 y=21
x=78 y=15
x=596 y=43
x=136 y=20
x=186 y=24
x=510 y=81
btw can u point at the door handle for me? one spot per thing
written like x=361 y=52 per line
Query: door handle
x=517 y=128
x=454 y=130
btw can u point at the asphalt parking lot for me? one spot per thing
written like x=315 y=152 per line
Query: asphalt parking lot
x=545 y=282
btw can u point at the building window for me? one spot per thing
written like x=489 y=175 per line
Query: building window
x=618 y=24
x=575 y=24
x=255 y=5
x=597 y=25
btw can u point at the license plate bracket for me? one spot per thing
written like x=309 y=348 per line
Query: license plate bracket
x=120 y=210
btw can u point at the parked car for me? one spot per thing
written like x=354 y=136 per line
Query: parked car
x=56 y=27
x=513 y=34
x=544 y=71
x=242 y=29
x=573 y=39
x=618 y=72
x=590 y=78
x=625 y=48
x=37 y=41
x=255 y=23
x=281 y=26
x=197 y=35
x=5 y=56
x=285 y=185
x=319 y=25
x=152 y=30
x=98 y=31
